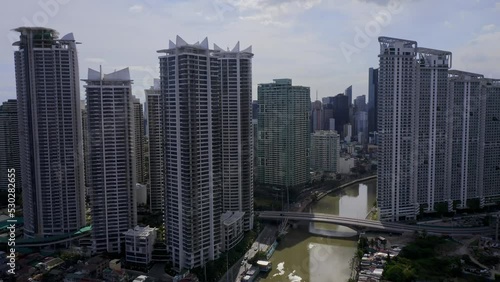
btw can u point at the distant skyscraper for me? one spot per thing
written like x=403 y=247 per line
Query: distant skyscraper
x=341 y=113
x=9 y=145
x=284 y=134
x=348 y=93
x=328 y=100
x=362 y=126
x=139 y=140
x=372 y=99
x=327 y=116
x=237 y=131
x=396 y=109
x=325 y=148
x=360 y=103
x=316 y=116
x=50 y=132
x=154 y=114
x=112 y=166
x=190 y=90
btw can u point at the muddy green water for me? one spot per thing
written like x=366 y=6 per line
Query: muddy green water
x=304 y=257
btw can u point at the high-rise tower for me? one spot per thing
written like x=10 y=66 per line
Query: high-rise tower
x=50 y=132
x=139 y=139
x=284 y=134
x=190 y=90
x=112 y=175
x=9 y=144
x=237 y=131
x=397 y=104
x=154 y=115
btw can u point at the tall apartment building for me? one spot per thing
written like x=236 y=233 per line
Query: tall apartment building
x=237 y=131
x=154 y=116
x=372 y=99
x=283 y=149
x=466 y=136
x=190 y=90
x=9 y=145
x=112 y=167
x=438 y=133
x=396 y=196
x=325 y=150
x=50 y=132
x=491 y=152
x=430 y=124
x=85 y=130
x=139 y=140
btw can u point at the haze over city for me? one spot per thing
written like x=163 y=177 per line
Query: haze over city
x=242 y=141
x=300 y=39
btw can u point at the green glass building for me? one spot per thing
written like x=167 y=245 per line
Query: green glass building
x=283 y=137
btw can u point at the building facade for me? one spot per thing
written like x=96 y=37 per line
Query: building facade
x=112 y=167
x=154 y=116
x=372 y=99
x=430 y=127
x=397 y=102
x=283 y=134
x=190 y=90
x=9 y=145
x=341 y=110
x=232 y=228
x=50 y=132
x=139 y=140
x=437 y=133
x=237 y=131
x=139 y=244
x=325 y=151
x=316 y=116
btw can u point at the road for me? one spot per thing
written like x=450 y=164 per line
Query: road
x=356 y=224
x=264 y=240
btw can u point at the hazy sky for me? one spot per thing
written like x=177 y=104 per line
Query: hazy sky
x=324 y=44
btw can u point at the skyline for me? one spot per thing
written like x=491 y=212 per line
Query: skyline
x=289 y=39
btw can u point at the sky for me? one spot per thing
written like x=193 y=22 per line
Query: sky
x=324 y=44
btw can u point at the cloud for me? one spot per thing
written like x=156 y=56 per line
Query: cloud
x=272 y=12
x=448 y=24
x=488 y=27
x=95 y=60
x=136 y=9
x=385 y=2
x=480 y=55
x=497 y=6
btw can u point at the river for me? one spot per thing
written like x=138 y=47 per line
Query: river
x=304 y=257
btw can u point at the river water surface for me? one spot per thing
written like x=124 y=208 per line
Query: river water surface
x=304 y=257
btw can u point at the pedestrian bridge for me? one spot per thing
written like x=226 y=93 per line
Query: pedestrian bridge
x=362 y=225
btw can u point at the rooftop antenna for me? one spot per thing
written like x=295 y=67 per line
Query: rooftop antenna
x=316 y=95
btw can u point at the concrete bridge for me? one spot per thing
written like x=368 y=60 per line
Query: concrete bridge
x=362 y=225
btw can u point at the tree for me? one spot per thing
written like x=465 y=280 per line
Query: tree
x=424 y=234
x=372 y=242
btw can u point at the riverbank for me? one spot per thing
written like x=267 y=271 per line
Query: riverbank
x=336 y=189
x=315 y=196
